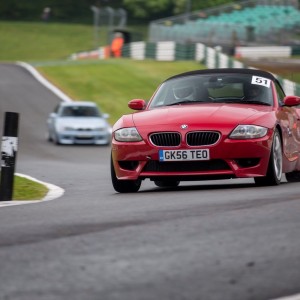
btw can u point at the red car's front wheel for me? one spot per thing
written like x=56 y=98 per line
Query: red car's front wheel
x=123 y=186
x=274 y=172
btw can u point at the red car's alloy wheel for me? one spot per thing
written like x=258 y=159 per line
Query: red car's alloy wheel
x=274 y=172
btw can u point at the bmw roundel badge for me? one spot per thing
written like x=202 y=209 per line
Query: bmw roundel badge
x=184 y=126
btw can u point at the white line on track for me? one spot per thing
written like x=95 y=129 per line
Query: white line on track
x=53 y=193
x=44 y=82
x=293 y=297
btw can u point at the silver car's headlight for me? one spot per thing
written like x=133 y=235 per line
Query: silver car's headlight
x=67 y=128
x=129 y=134
x=242 y=132
x=62 y=127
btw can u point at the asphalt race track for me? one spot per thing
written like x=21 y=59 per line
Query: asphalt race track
x=223 y=240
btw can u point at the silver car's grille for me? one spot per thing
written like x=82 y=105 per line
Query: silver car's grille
x=172 y=139
x=84 y=129
x=202 y=138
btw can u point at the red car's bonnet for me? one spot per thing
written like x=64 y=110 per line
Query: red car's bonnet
x=227 y=114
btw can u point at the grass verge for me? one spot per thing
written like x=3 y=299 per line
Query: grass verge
x=113 y=83
x=26 y=189
x=38 y=41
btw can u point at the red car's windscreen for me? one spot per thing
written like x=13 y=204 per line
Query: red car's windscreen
x=227 y=88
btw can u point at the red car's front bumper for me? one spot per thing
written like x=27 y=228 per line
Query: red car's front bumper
x=228 y=159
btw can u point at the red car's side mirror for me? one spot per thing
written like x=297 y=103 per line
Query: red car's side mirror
x=291 y=100
x=137 y=104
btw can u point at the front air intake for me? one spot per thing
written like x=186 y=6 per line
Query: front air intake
x=202 y=138
x=166 y=139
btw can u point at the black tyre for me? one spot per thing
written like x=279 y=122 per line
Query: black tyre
x=167 y=183
x=274 y=172
x=55 y=139
x=293 y=176
x=123 y=186
x=48 y=137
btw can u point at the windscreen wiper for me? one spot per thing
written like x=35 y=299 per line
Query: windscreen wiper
x=185 y=102
x=241 y=101
x=256 y=102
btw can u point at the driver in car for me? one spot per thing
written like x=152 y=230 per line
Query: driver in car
x=253 y=93
x=184 y=93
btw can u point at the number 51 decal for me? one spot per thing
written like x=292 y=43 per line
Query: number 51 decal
x=261 y=81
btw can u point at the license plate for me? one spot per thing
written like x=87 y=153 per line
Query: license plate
x=179 y=155
x=84 y=135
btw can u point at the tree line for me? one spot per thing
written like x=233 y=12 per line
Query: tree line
x=79 y=10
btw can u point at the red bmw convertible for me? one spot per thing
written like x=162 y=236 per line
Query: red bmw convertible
x=209 y=124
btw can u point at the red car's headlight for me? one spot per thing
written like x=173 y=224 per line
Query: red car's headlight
x=242 y=132
x=129 y=134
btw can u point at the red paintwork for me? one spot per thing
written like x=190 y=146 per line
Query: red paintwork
x=216 y=117
x=292 y=100
x=137 y=104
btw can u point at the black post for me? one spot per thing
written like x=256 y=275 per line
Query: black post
x=8 y=155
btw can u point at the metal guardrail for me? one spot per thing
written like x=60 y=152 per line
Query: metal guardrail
x=171 y=51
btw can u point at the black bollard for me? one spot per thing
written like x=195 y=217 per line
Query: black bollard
x=9 y=149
